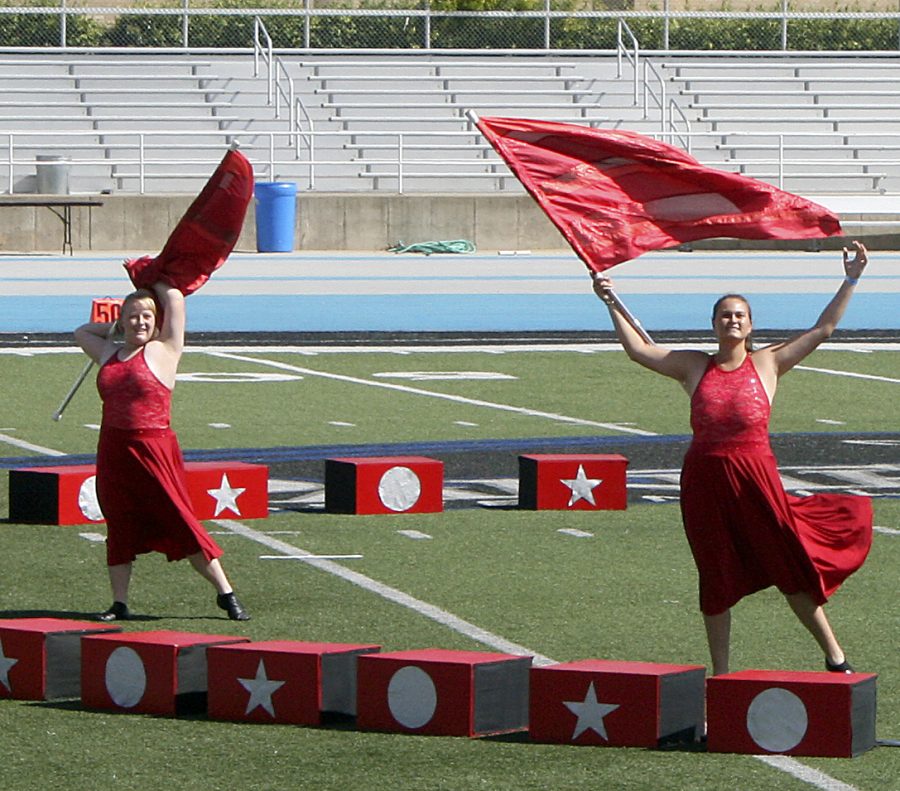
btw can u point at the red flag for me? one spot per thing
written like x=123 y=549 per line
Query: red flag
x=207 y=233
x=615 y=195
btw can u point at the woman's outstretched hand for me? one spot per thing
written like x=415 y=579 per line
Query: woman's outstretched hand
x=854 y=268
x=603 y=287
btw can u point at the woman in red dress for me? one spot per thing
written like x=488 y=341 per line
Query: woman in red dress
x=141 y=485
x=745 y=532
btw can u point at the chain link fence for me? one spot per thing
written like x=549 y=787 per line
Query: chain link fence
x=706 y=25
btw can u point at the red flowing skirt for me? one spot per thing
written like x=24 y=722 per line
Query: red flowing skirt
x=142 y=491
x=746 y=533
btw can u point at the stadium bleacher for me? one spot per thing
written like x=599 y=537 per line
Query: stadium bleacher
x=138 y=123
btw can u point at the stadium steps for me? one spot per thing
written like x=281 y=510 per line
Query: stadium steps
x=835 y=121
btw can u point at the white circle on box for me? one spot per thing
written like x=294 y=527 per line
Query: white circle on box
x=399 y=489
x=87 y=499
x=126 y=678
x=412 y=697
x=777 y=720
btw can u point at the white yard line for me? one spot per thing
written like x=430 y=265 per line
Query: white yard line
x=20 y=443
x=431 y=394
x=847 y=373
x=387 y=592
x=783 y=763
x=805 y=773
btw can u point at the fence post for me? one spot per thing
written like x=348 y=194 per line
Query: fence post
x=143 y=165
x=666 y=25
x=62 y=24
x=306 y=31
x=400 y=162
x=780 y=161
x=785 y=8
x=184 y=23
x=11 y=187
x=546 y=24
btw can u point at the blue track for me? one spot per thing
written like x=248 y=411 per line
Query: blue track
x=333 y=292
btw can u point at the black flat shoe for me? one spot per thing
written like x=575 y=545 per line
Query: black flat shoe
x=843 y=667
x=229 y=602
x=118 y=612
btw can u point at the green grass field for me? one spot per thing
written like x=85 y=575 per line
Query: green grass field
x=628 y=592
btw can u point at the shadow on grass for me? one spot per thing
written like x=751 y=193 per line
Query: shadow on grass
x=67 y=615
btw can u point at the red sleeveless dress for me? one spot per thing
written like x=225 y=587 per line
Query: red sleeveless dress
x=746 y=533
x=141 y=486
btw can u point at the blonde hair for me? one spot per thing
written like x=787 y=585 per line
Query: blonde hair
x=141 y=295
x=144 y=296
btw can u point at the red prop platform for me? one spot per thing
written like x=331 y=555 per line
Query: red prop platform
x=384 y=485
x=147 y=672
x=283 y=681
x=811 y=714
x=441 y=692
x=616 y=704
x=572 y=482
x=40 y=658
x=67 y=495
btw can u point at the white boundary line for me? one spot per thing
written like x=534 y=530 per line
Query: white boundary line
x=432 y=394
x=20 y=443
x=805 y=773
x=782 y=763
x=847 y=373
x=387 y=592
x=486 y=346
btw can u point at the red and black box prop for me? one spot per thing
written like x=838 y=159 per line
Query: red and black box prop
x=572 y=482
x=40 y=658
x=161 y=672
x=384 y=485
x=67 y=495
x=283 y=681
x=443 y=692
x=791 y=713
x=616 y=704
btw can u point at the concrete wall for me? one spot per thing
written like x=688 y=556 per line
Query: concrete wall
x=340 y=221
x=140 y=224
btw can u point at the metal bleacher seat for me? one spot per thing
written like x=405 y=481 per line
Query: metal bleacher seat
x=70 y=103
x=425 y=97
x=796 y=120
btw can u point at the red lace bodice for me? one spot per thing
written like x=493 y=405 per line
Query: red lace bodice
x=133 y=398
x=730 y=408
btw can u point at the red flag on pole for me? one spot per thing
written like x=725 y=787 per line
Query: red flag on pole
x=615 y=195
x=207 y=233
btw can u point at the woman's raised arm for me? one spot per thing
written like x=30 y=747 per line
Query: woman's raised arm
x=684 y=366
x=786 y=355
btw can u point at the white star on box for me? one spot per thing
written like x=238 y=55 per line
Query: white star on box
x=582 y=487
x=6 y=664
x=226 y=496
x=590 y=713
x=261 y=690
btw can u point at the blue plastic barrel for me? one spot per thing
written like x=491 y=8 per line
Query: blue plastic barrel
x=276 y=216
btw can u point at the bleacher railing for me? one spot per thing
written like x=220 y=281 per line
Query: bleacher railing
x=649 y=87
x=401 y=162
x=280 y=90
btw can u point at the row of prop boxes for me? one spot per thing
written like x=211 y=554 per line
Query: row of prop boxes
x=436 y=691
x=66 y=495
